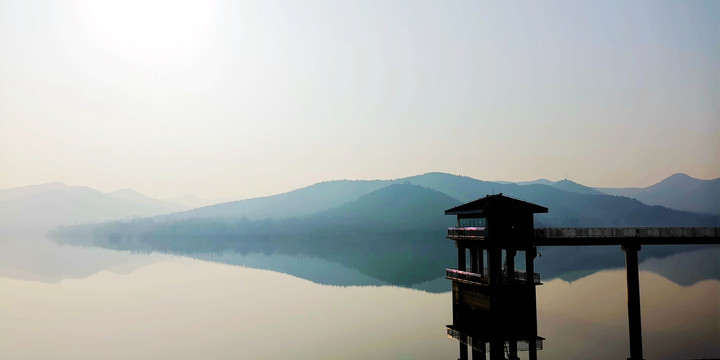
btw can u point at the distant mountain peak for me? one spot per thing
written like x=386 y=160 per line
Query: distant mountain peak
x=124 y=191
x=677 y=180
x=543 y=181
x=680 y=175
x=678 y=191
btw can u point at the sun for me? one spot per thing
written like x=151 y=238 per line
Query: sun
x=148 y=31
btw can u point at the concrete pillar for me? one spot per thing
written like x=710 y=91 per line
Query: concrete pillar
x=463 y=352
x=474 y=260
x=481 y=259
x=530 y=255
x=633 y=291
x=461 y=257
x=479 y=353
x=512 y=349
x=510 y=263
x=475 y=354
x=497 y=350
x=495 y=264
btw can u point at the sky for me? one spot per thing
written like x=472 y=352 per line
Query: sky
x=239 y=99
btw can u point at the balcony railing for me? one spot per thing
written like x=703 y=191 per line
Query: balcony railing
x=478 y=279
x=481 y=344
x=466 y=233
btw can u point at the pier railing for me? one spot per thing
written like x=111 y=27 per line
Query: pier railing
x=483 y=279
x=627 y=232
x=627 y=236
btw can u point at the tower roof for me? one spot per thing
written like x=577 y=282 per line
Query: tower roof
x=495 y=204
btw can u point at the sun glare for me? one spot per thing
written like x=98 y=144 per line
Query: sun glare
x=147 y=31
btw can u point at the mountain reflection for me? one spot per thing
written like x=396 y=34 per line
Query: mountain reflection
x=178 y=308
x=587 y=318
x=405 y=259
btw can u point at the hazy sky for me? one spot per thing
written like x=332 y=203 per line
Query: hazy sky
x=242 y=99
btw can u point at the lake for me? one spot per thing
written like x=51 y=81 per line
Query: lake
x=67 y=302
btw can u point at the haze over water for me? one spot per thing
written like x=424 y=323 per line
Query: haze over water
x=169 y=307
x=235 y=101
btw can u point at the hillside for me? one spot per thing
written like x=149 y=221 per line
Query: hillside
x=52 y=204
x=396 y=206
x=394 y=234
x=567 y=200
x=570 y=204
x=331 y=194
x=304 y=201
x=678 y=191
x=571 y=186
x=566 y=208
x=390 y=234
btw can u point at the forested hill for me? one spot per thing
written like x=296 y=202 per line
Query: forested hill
x=402 y=207
x=567 y=208
x=394 y=234
x=304 y=201
x=678 y=191
x=570 y=204
x=395 y=207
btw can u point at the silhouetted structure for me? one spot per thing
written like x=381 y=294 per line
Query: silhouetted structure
x=496 y=306
x=630 y=241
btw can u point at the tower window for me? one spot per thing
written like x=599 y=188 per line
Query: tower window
x=473 y=222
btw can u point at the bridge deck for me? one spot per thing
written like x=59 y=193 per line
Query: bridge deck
x=627 y=235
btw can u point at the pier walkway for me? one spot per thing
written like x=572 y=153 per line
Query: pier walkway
x=627 y=236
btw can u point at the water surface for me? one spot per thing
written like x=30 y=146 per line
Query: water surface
x=63 y=302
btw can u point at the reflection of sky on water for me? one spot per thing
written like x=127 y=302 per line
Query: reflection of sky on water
x=154 y=306
x=38 y=259
x=185 y=309
x=587 y=318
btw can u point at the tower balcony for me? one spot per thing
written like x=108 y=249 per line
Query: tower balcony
x=518 y=276
x=480 y=340
x=466 y=233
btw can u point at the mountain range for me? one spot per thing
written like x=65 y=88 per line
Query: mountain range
x=678 y=191
x=388 y=230
x=52 y=204
x=556 y=195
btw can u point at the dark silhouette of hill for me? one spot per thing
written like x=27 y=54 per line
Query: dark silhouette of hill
x=394 y=207
x=56 y=203
x=572 y=209
x=394 y=234
x=459 y=187
x=566 y=208
x=566 y=185
x=678 y=191
x=538 y=181
x=571 y=186
x=304 y=201
x=332 y=194
x=326 y=195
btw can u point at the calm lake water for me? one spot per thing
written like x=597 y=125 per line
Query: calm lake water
x=64 y=302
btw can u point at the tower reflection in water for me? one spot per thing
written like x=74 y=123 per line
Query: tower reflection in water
x=494 y=306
